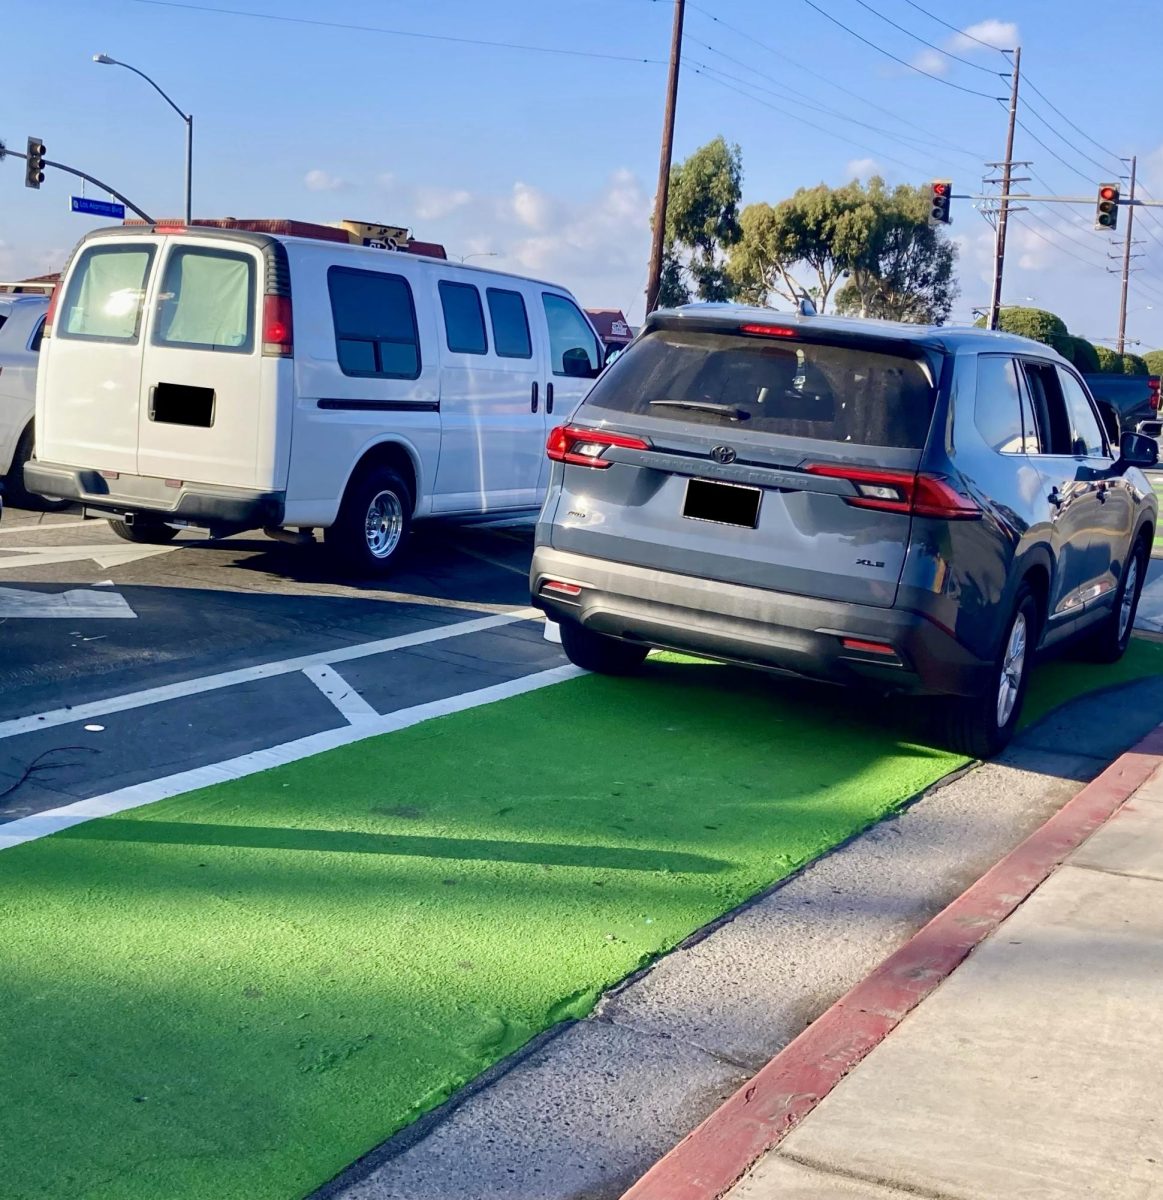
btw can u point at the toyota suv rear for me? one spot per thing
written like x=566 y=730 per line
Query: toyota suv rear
x=914 y=508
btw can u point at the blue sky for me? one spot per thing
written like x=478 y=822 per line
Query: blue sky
x=549 y=161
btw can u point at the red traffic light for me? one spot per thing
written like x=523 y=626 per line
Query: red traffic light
x=940 y=189
x=1108 y=193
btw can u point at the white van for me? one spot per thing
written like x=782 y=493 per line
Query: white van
x=231 y=380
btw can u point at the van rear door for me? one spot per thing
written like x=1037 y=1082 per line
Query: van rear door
x=202 y=408
x=90 y=368
x=767 y=456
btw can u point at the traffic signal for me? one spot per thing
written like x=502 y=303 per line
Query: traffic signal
x=34 y=163
x=1106 y=212
x=940 y=193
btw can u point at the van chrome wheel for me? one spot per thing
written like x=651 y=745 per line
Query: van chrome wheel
x=384 y=524
x=1012 y=669
x=1130 y=596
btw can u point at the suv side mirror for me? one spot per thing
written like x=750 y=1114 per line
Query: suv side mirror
x=1138 y=450
x=576 y=364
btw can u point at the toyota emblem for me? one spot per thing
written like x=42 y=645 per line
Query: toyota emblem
x=723 y=454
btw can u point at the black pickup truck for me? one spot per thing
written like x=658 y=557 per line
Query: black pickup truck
x=1134 y=397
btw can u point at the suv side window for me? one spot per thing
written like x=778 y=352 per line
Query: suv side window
x=375 y=324
x=573 y=348
x=1049 y=405
x=997 y=410
x=37 y=337
x=1085 y=429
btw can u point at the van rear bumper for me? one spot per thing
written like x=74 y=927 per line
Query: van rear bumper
x=755 y=627
x=206 y=505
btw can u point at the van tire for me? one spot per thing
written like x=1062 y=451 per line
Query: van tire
x=971 y=725
x=597 y=652
x=144 y=534
x=16 y=493
x=1107 y=641
x=363 y=544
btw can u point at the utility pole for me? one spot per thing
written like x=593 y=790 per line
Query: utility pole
x=999 y=252
x=658 y=246
x=1127 y=261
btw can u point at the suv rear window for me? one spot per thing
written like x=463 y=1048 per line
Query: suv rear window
x=788 y=388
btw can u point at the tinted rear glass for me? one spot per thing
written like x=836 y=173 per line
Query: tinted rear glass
x=788 y=388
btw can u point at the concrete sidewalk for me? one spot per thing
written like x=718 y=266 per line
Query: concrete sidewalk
x=1033 y=1071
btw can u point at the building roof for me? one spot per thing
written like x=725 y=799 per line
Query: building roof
x=611 y=325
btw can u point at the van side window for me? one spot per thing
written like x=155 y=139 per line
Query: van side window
x=997 y=410
x=510 y=324
x=464 y=320
x=572 y=345
x=105 y=294
x=1085 y=430
x=206 y=301
x=375 y=324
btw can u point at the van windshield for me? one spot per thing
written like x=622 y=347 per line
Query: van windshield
x=784 y=387
x=105 y=293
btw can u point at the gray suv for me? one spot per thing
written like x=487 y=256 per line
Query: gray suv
x=915 y=509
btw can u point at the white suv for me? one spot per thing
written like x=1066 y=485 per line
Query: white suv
x=20 y=333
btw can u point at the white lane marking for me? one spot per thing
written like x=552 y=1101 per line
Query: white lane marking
x=345 y=698
x=40 y=528
x=16 y=557
x=210 y=683
x=28 y=829
x=78 y=603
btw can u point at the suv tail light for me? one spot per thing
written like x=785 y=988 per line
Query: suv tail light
x=585 y=447
x=1153 y=391
x=277 y=335
x=916 y=495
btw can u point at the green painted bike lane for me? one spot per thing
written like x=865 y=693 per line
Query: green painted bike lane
x=238 y=991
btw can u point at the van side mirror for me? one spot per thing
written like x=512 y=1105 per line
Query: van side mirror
x=1138 y=450
x=1110 y=420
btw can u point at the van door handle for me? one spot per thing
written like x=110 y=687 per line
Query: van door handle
x=549 y=397
x=534 y=408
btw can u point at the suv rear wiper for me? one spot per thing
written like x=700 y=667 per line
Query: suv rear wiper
x=721 y=410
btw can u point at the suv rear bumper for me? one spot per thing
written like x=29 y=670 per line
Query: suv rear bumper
x=755 y=627
x=205 y=505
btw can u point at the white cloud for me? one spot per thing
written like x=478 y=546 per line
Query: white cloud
x=319 y=180
x=533 y=208
x=432 y=203
x=862 y=168
x=932 y=61
x=1002 y=34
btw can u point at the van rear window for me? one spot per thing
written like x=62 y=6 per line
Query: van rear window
x=206 y=301
x=103 y=300
x=788 y=388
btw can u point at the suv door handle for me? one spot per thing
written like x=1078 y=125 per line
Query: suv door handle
x=1055 y=497
x=534 y=408
x=549 y=397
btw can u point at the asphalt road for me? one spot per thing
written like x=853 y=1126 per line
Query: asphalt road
x=126 y=620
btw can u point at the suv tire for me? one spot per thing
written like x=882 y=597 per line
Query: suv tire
x=982 y=726
x=17 y=493
x=1108 y=641
x=144 y=534
x=371 y=531
x=597 y=652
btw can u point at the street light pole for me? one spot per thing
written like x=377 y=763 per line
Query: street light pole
x=105 y=60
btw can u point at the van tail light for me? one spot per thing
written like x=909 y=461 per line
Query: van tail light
x=1153 y=392
x=585 y=447
x=916 y=495
x=52 y=311
x=277 y=336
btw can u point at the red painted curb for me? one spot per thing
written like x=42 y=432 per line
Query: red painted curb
x=714 y=1156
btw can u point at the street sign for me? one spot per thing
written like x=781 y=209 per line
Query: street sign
x=98 y=208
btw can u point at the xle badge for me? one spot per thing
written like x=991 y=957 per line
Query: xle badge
x=867 y=562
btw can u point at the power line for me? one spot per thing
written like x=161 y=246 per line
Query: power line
x=403 y=33
x=917 y=38
x=1058 y=134
x=712 y=74
x=960 y=32
x=1038 y=91
x=895 y=58
x=832 y=84
x=792 y=97
x=1054 y=153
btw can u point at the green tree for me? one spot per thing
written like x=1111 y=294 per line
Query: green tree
x=702 y=219
x=1079 y=351
x=1134 y=364
x=1034 y=323
x=672 y=287
x=1109 y=362
x=1154 y=361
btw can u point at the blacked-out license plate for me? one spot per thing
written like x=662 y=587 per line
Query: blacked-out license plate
x=722 y=503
